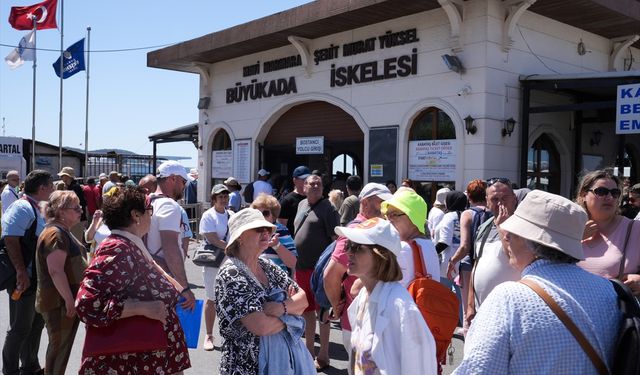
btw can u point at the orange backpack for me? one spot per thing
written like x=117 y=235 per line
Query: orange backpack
x=438 y=304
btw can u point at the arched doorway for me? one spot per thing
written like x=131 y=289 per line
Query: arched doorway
x=431 y=150
x=341 y=135
x=221 y=157
x=543 y=165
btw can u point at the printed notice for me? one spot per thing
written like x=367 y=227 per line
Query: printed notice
x=242 y=160
x=432 y=160
x=221 y=163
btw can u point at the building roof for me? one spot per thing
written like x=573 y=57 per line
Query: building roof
x=186 y=133
x=608 y=18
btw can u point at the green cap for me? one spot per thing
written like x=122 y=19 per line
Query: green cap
x=411 y=204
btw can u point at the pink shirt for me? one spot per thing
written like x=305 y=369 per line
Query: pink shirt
x=603 y=254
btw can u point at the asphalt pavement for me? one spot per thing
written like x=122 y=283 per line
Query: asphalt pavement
x=202 y=362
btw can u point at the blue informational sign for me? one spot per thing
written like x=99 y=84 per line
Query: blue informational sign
x=628 y=109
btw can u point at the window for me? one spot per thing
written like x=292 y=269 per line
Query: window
x=543 y=168
x=344 y=163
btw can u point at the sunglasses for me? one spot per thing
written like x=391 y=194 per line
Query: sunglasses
x=501 y=180
x=603 y=191
x=262 y=230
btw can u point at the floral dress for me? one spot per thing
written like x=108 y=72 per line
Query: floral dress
x=119 y=271
x=238 y=294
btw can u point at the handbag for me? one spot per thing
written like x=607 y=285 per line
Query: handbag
x=208 y=256
x=134 y=334
x=7 y=271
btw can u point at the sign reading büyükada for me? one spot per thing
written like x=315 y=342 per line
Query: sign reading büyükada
x=10 y=146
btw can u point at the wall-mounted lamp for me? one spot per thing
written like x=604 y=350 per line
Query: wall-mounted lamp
x=204 y=102
x=509 y=124
x=469 y=125
x=597 y=137
x=453 y=63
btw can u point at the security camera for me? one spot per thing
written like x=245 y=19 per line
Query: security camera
x=466 y=90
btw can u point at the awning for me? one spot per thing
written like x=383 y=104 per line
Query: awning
x=186 y=133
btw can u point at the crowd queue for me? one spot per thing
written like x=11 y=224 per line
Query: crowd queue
x=111 y=254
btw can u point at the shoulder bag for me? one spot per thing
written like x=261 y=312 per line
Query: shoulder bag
x=209 y=255
x=134 y=334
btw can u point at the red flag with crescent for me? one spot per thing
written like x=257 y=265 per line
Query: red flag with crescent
x=21 y=18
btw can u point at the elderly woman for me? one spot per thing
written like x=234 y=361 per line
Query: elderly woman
x=611 y=242
x=515 y=331
x=60 y=261
x=242 y=289
x=215 y=230
x=407 y=211
x=282 y=250
x=389 y=334
x=123 y=281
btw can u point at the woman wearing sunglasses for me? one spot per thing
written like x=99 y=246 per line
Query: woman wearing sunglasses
x=611 y=242
x=243 y=289
x=389 y=334
x=282 y=250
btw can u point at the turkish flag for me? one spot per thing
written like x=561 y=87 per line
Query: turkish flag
x=21 y=18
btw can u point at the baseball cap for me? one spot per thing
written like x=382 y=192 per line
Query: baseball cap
x=374 y=188
x=263 y=172
x=172 y=168
x=231 y=181
x=375 y=231
x=102 y=175
x=219 y=188
x=301 y=172
x=411 y=204
x=635 y=189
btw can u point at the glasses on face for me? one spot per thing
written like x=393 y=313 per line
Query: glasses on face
x=391 y=215
x=501 y=180
x=266 y=213
x=355 y=248
x=603 y=191
x=75 y=208
x=262 y=230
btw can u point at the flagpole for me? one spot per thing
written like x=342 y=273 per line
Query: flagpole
x=33 y=109
x=86 y=126
x=61 y=80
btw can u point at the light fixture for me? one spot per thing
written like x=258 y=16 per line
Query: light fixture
x=509 y=124
x=453 y=63
x=469 y=125
x=597 y=137
x=204 y=102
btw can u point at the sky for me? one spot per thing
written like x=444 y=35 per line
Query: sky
x=127 y=100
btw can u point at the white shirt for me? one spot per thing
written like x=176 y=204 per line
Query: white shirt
x=8 y=196
x=261 y=187
x=166 y=216
x=434 y=217
x=401 y=341
x=405 y=260
x=214 y=222
x=448 y=232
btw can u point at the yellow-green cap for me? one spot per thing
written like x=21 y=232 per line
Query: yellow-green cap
x=411 y=204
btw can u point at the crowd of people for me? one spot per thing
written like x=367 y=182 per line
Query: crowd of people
x=111 y=254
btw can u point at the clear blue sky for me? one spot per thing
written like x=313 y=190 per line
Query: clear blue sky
x=128 y=100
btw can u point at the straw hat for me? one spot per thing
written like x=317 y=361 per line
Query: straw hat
x=246 y=219
x=550 y=220
x=67 y=171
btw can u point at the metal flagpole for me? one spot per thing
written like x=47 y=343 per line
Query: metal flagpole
x=61 y=80
x=86 y=126
x=33 y=109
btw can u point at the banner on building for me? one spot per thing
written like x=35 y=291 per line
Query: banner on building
x=432 y=160
x=628 y=109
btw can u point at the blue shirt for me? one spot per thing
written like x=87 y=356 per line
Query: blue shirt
x=515 y=332
x=235 y=200
x=18 y=218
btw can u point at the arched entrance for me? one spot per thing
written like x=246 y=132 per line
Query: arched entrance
x=543 y=165
x=221 y=157
x=431 y=153
x=341 y=133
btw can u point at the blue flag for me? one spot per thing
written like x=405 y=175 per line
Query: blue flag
x=73 y=60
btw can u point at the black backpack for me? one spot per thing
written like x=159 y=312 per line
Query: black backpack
x=247 y=194
x=627 y=348
x=481 y=215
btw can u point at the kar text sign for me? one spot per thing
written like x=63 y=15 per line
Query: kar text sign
x=628 y=109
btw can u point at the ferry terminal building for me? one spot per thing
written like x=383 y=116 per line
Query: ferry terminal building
x=439 y=91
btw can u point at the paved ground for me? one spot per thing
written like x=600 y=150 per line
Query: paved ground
x=202 y=362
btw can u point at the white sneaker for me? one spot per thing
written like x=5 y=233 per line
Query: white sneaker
x=208 y=343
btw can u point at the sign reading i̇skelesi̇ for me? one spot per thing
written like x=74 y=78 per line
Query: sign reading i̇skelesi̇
x=628 y=109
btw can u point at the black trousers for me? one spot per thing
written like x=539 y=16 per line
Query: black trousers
x=22 y=342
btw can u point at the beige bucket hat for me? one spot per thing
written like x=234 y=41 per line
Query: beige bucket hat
x=550 y=220
x=246 y=219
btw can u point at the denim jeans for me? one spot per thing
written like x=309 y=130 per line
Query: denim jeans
x=23 y=336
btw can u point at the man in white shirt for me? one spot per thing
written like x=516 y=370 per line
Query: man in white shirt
x=164 y=240
x=9 y=194
x=262 y=185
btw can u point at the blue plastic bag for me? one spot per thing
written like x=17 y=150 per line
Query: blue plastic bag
x=190 y=321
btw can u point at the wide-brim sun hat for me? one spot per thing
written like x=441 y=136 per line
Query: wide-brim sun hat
x=246 y=219
x=375 y=231
x=411 y=204
x=67 y=171
x=550 y=220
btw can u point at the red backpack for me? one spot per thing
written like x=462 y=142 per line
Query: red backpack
x=438 y=304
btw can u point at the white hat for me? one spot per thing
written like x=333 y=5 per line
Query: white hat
x=193 y=172
x=441 y=195
x=172 y=168
x=263 y=172
x=550 y=220
x=375 y=231
x=246 y=219
x=374 y=188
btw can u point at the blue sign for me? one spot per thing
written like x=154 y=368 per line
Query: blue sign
x=628 y=109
